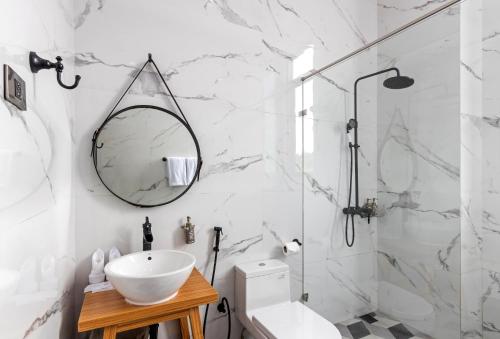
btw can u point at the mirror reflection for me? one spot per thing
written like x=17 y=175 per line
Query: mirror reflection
x=146 y=156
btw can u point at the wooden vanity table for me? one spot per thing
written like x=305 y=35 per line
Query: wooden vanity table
x=110 y=311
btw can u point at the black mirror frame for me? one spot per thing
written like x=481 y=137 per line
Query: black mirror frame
x=95 y=149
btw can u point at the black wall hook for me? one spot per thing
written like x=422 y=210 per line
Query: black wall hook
x=37 y=63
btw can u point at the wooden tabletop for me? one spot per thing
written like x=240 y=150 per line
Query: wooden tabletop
x=108 y=308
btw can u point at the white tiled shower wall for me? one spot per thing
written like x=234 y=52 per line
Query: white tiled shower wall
x=490 y=135
x=479 y=170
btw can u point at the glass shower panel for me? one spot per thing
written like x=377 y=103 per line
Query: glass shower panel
x=405 y=264
x=340 y=281
x=419 y=180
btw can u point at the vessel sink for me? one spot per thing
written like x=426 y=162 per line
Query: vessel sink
x=150 y=277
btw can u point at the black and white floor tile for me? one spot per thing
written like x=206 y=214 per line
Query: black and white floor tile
x=374 y=326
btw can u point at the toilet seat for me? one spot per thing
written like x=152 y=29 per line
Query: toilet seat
x=293 y=320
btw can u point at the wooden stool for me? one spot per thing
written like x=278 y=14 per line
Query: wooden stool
x=110 y=311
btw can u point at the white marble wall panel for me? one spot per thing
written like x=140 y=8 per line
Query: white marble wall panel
x=37 y=244
x=419 y=178
x=393 y=14
x=347 y=287
x=234 y=68
x=340 y=280
x=491 y=304
x=471 y=154
x=233 y=72
x=490 y=170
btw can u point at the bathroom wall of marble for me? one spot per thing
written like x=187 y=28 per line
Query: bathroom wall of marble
x=341 y=281
x=490 y=170
x=235 y=73
x=419 y=138
x=395 y=13
x=478 y=172
x=239 y=86
x=349 y=284
x=37 y=246
x=471 y=153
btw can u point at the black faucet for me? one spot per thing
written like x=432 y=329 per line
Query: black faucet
x=147 y=235
x=147 y=240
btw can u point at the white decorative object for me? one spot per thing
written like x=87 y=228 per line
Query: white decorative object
x=97 y=273
x=114 y=253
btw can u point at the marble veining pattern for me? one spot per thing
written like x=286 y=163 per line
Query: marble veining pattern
x=56 y=307
x=419 y=175
x=237 y=84
x=239 y=89
x=489 y=132
x=38 y=246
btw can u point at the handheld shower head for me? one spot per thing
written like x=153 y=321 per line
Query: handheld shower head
x=398 y=82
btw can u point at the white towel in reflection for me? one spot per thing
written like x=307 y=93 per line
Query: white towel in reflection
x=176 y=171
x=190 y=169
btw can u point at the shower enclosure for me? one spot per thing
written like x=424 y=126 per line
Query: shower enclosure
x=419 y=260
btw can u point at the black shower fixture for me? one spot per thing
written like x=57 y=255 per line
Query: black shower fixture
x=398 y=82
x=367 y=210
x=37 y=63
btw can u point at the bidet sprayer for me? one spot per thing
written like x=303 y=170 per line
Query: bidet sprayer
x=218 y=233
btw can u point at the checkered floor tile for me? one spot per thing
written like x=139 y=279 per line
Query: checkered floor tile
x=374 y=326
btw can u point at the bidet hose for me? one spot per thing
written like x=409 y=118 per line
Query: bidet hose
x=224 y=300
x=348 y=242
x=211 y=283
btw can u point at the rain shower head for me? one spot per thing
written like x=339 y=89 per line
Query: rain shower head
x=398 y=82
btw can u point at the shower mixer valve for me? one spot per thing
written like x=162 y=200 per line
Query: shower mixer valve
x=368 y=210
x=371 y=206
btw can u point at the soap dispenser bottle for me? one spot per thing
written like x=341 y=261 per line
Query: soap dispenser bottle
x=188 y=228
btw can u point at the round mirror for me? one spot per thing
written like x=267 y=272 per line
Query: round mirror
x=146 y=155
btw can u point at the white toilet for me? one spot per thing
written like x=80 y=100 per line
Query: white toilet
x=264 y=307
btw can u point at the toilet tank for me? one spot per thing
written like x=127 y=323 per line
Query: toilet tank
x=261 y=283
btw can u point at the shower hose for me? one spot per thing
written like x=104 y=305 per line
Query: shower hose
x=350 y=242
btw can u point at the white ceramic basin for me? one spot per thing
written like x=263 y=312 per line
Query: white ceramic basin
x=151 y=277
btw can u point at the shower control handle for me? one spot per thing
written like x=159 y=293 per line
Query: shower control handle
x=363 y=212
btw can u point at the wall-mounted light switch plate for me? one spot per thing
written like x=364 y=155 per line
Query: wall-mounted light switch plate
x=14 y=88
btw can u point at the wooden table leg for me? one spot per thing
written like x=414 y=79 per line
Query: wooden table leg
x=109 y=332
x=194 y=318
x=184 y=324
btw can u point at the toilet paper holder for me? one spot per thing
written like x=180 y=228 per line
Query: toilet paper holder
x=286 y=245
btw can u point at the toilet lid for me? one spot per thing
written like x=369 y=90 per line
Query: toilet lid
x=293 y=321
